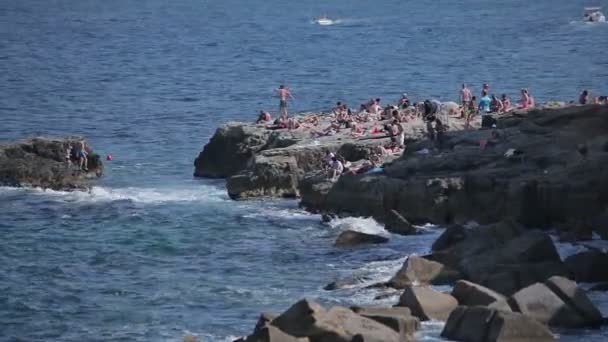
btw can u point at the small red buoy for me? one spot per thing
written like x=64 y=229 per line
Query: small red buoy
x=109 y=157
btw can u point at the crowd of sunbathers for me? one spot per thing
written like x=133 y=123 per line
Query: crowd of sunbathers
x=373 y=119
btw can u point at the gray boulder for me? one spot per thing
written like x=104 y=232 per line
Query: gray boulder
x=350 y=238
x=308 y=319
x=399 y=319
x=426 y=303
x=483 y=324
x=273 y=334
x=419 y=271
x=397 y=224
x=557 y=302
x=471 y=294
x=41 y=162
x=589 y=266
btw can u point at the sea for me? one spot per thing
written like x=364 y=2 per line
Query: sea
x=151 y=253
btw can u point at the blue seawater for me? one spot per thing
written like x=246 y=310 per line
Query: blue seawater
x=151 y=254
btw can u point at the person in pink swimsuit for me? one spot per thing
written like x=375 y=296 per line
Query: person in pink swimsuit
x=525 y=99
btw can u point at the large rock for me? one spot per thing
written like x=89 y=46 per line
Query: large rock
x=483 y=324
x=557 y=302
x=399 y=319
x=508 y=279
x=41 y=162
x=426 y=303
x=308 y=319
x=589 y=266
x=273 y=334
x=417 y=270
x=548 y=181
x=471 y=294
x=351 y=238
x=395 y=223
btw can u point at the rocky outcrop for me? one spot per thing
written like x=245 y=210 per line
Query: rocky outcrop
x=426 y=303
x=556 y=302
x=259 y=161
x=419 y=271
x=483 y=324
x=471 y=294
x=589 y=266
x=41 y=162
x=539 y=167
x=503 y=257
x=350 y=238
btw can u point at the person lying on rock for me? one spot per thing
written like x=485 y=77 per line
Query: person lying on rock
x=83 y=157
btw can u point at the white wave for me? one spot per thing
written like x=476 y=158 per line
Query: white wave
x=359 y=224
x=135 y=194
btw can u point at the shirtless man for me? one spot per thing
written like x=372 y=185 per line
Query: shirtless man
x=465 y=96
x=284 y=94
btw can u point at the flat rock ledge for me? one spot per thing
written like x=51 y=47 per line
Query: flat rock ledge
x=540 y=167
x=262 y=162
x=41 y=162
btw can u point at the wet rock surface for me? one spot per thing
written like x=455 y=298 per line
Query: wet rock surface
x=41 y=162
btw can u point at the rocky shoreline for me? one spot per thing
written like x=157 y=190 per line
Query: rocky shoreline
x=538 y=169
x=41 y=162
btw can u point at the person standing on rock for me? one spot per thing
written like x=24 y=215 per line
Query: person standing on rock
x=284 y=95
x=465 y=96
x=82 y=157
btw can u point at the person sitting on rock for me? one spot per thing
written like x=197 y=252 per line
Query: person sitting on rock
x=83 y=157
x=404 y=102
x=264 y=117
x=506 y=103
x=496 y=105
x=336 y=168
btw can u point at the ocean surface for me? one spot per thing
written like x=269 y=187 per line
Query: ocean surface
x=151 y=254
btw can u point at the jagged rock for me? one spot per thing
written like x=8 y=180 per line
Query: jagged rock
x=41 y=162
x=580 y=231
x=273 y=334
x=589 y=266
x=264 y=320
x=397 y=224
x=483 y=324
x=549 y=182
x=508 y=279
x=557 y=302
x=417 y=270
x=399 y=319
x=471 y=294
x=308 y=319
x=452 y=235
x=426 y=303
x=351 y=238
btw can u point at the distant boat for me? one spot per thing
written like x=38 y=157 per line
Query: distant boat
x=324 y=21
x=594 y=15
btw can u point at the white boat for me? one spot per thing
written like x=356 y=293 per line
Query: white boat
x=324 y=21
x=594 y=15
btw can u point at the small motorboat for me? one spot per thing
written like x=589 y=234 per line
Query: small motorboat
x=324 y=21
x=594 y=15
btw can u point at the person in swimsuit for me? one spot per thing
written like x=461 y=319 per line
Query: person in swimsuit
x=496 y=105
x=525 y=99
x=83 y=157
x=465 y=96
x=284 y=95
